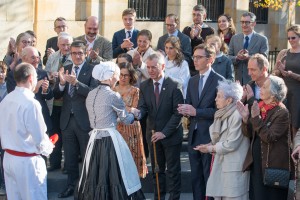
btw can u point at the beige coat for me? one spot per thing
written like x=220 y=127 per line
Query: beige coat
x=226 y=178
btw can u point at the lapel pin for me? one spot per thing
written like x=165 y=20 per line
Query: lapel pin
x=164 y=88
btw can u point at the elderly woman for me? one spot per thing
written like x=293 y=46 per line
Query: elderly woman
x=109 y=172
x=229 y=146
x=268 y=128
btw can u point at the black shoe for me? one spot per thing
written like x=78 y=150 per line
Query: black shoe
x=52 y=168
x=68 y=192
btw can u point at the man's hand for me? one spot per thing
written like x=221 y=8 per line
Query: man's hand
x=196 y=31
x=45 y=85
x=94 y=53
x=295 y=154
x=243 y=54
x=137 y=58
x=186 y=110
x=61 y=75
x=127 y=44
x=11 y=48
x=38 y=85
x=71 y=78
x=157 y=136
x=50 y=51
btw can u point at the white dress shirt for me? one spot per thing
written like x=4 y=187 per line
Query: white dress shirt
x=22 y=126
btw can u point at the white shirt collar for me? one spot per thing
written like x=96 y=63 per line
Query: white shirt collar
x=90 y=44
x=25 y=90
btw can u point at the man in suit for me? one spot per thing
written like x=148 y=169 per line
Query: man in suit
x=60 y=25
x=197 y=31
x=98 y=47
x=42 y=91
x=200 y=107
x=245 y=44
x=159 y=98
x=75 y=82
x=125 y=39
x=172 y=21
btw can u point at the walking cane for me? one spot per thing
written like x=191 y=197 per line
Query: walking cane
x=156 y=168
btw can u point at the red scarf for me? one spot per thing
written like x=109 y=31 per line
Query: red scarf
x=264 y=108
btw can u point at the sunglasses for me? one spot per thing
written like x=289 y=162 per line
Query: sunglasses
x=291 y=38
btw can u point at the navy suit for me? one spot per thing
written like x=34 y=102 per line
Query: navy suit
x=164 y=118
x=205 y=110
x=118 y=38
x=74 y=120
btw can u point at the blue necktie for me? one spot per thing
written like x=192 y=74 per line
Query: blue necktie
x=246 y=44
x=200 y=86
x=72 y=87
x=129 y=34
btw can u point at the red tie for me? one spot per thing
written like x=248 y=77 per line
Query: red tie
x=156 y=92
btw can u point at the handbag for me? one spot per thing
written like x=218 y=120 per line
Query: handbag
x=276 y=177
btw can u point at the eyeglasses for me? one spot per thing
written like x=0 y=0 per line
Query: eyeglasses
x=246 y=22
x=198 y=57
x=61 y=27
x=77 y=53
x=25 y=42
x=35 y=57
x=291 y=38
x=124 y=76
x=171 y=25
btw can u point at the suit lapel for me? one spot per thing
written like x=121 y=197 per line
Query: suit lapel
x=151 y=93
x=253 y=41
x=162 y=91
x=207 y=85
x=196 y=91
x=241 y=42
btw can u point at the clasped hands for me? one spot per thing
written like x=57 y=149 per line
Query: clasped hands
x=244 y=110
x=66 y=77
x=186 y=110
x=243 y=55
x=127 y=44
x=206 y=148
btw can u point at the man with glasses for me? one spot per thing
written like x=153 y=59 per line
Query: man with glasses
x=245 y=44
x=98 y=47
x=200 y=108
x=60 y=25
x=172 y=22
x=60 y=58
x=74 y=83
x=198 y=31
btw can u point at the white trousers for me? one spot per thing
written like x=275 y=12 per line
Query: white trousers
x=25 y=177
x=243 y=197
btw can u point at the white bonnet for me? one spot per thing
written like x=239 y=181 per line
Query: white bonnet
x=105 y=70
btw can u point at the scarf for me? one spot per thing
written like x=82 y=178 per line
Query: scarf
x=220 y=116
x=264 y=108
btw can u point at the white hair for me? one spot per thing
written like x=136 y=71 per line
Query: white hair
x=277 y=88
x=231 y=90
x=64 y=35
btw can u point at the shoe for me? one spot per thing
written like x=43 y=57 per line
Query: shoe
x=52 y=168
x=2 y=190
x=68 y=192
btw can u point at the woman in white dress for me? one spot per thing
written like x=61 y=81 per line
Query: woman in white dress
x=109 y=171
x=175 y=65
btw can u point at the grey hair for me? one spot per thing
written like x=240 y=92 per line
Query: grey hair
x=231 y=90
x=157 y=56
x=251 y=15
x=64 y=35
x=277 y=88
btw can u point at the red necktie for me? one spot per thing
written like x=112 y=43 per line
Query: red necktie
x=156 y=92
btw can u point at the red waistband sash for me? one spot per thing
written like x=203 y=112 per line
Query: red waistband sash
x=21 y=154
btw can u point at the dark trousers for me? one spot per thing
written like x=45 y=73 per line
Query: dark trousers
x=200 y=169
x=167 y=156
x=143 y=123
x=2 y=182
x=56 y=155
x=75 y=141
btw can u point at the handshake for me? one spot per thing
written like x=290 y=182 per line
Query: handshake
x=136 y=112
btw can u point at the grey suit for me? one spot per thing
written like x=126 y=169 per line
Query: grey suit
x=258 y=44
x=166 y=119
x=102 y=45
x=74 y=121
x=185 y=45
x=205 y=110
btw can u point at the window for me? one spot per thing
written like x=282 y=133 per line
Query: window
x=214 y=8
x=149 y=10
x=261 y=13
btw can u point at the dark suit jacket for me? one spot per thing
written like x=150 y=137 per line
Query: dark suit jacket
x=51 y=43
x=164 y=118
x=77 y=102
x=118 y=38
x=41 y=74
x=185 y=44
x=205 y=107
x=224 y=67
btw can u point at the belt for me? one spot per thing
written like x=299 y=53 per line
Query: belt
x=21 y=154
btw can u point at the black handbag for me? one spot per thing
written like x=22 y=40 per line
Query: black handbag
x=276 y=177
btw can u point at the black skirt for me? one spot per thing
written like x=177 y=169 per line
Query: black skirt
x=104 y=180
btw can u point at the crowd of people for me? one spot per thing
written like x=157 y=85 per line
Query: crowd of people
x=242 y=118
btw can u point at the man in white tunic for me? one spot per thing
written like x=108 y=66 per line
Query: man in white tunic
x=23 y=137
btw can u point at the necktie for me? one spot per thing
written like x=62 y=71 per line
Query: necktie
x=63 y=60
x=72 y=87
x=156 y=92
x=129 y=34
x=200 y=85
x=246 y=44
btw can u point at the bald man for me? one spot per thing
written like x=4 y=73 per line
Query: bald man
x=98 y=47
